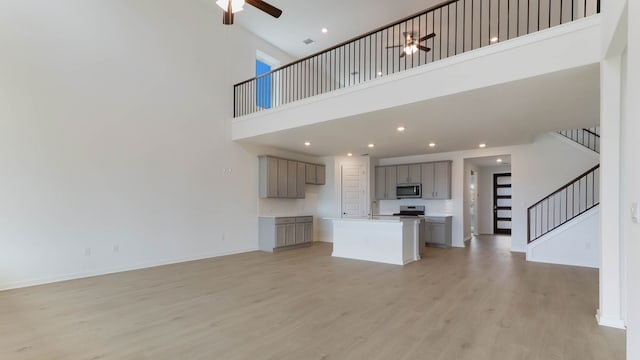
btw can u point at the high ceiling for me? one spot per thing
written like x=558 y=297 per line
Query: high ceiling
x=502 y=115
x=303 y=19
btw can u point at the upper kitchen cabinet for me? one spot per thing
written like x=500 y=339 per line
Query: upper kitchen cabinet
x=300 y=180
x=286 y=179
x=315 y=174
x=436 y=180
x=321 y=174
x=409 y=174
x=385 y=182
x=292 y=179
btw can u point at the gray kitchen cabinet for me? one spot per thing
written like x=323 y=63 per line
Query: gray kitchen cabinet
x=442 y=180
x=283 y=169
x=385 y=182
x=308 y=232
x=321 y=171
x=292 y=179
x=380 y=183
x=281 y=235
x=283 y=178
x=299 y=233
x=391 y=182
x=310 y=173
x=409 y=174
x=268 y=177
x=437 y=231
x=315 y=174
x=300 y=180
x=436 y=180
x=277 y=233
x=290 y=234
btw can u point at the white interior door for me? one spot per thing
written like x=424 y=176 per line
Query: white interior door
x=354 y=191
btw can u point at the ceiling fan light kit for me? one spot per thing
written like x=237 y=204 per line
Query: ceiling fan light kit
x=412 y=44
x=236 y=5
x=231 y=7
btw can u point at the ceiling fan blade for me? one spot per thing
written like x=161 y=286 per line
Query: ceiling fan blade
x=227 y=18
x=394 y=46
x=266 y=7
x=427 y=37
x=402 y=54
x=424 y=48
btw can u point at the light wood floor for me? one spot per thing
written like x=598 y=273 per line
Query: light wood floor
x=482 y=302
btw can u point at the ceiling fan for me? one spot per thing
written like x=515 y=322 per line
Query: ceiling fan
x=412 y=44
x=231 y=7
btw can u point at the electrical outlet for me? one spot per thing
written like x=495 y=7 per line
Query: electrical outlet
x=222 y=236
x=116 y=248
x=87 y=251
x=635 y=215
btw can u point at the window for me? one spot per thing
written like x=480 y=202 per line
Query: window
x=267 y=86
x=263 y=85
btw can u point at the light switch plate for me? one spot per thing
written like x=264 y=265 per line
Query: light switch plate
x=635 y=215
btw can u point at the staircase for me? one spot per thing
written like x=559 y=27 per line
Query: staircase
x=563 y=227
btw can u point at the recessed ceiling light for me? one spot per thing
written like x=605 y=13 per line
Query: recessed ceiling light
x=371 y=145
x=401 y=128
x=482 y=145
x=324 y=30
x=349 y=154
x=306 y=143
x=494 y=39
x=432 y=144
x=499 y=160
x=379 y=73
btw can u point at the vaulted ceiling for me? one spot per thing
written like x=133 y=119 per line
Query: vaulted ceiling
x=304 y=19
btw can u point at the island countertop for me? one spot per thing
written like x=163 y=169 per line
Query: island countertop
x=381 y=218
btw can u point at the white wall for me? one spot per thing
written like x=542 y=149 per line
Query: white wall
x=631 y=175
x=115 y=132
x=485 y=196
x=534 y=176
x=539 y=170
x=575 y=243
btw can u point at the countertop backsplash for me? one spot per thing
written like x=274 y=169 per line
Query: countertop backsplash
x=289 y=207
x=433 y=207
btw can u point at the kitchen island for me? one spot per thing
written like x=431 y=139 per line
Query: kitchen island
x=390 y=240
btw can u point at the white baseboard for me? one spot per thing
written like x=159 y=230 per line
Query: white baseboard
x=118 y=269
x=610 y=322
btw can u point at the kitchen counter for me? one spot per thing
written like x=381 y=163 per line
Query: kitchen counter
x=385 y=239
x=282 y=215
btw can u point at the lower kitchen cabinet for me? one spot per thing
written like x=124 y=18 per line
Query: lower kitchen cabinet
x=437 y=231
x=277 y=233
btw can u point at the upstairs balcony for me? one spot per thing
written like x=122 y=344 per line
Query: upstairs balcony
x=455 y=47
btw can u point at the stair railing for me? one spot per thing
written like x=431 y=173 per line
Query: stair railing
x=458 y=25
x=568 y=202
x=587 y=137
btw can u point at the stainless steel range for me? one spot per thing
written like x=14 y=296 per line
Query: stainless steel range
x=411 y=210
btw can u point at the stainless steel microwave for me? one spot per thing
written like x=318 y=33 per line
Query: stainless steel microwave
x=406 y=191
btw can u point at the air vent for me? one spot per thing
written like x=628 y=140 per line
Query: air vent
x=308 y=41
